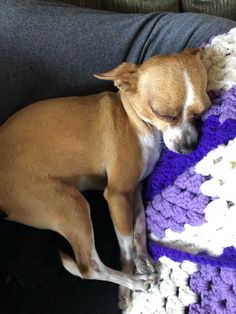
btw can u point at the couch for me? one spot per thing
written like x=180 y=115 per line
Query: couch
x=32 y=277
x=224 y=8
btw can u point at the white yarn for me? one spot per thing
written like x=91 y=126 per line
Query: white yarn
x=171 y=294
x=221 y=165
x=219 y=58
x=220 y=214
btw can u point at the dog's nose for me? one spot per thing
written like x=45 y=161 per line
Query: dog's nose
x=188 y=141
x=185 y=148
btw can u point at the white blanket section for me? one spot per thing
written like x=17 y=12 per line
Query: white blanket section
x=172 y=294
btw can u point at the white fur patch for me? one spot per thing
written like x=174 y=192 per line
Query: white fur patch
x=125 y=244
x=174 y=134
x=189 y=96
x=70 y=264
x=151 y=149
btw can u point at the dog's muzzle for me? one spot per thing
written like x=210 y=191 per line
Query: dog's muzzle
x=182 y=140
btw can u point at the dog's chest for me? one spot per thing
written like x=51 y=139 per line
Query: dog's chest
x=151 y=148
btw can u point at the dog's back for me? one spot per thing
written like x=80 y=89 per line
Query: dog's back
x=55 y=139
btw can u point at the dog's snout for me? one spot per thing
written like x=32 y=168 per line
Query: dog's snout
x=186 y=145
x=182 y=139
x=184 y=148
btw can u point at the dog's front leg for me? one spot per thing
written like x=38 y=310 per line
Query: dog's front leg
x=120 y=206
x=143 y=262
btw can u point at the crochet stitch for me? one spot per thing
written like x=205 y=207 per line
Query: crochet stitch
x=191 y=205
x=216 y=288
x=213 y=133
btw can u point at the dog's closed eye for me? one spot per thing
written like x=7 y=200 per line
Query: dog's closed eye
x=165 y=117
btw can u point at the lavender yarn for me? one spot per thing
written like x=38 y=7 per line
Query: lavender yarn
x=216 y=289
x=218 y=127
x=173 y=190
x=174 y=199
x=177 y=205
x=223 y=105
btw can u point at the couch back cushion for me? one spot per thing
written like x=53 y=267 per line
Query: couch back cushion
x=224 y=8
x=135 y=6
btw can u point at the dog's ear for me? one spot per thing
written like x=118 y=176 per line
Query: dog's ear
x=124 y=76
x=192 y=51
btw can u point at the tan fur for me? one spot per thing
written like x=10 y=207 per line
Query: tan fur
x=165 y=74
x=52 y=149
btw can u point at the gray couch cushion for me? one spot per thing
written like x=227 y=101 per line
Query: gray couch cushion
x=50 y=49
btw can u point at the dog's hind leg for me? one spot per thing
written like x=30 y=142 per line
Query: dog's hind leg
x=62 y=208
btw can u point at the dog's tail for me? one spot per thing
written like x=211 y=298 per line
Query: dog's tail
x=69 y=264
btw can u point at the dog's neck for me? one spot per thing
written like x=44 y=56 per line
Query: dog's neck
x=149 y=137
x=142 y=128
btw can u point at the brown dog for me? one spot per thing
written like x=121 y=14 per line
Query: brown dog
x=54 y=149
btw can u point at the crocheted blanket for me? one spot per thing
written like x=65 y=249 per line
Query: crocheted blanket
x=191 y=205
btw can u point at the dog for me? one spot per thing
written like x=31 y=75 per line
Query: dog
x=54 y=149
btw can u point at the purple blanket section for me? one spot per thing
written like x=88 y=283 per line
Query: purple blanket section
x=218 y=127
x=179 y=204
x=227 y=259
x=216 y=290
x=174 y=199
x=174 y=181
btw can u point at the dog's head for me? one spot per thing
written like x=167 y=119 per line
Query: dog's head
x=167 y=92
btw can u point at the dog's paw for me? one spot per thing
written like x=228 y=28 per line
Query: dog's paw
x=145 y=282
x=145 y=265
x=125 y=299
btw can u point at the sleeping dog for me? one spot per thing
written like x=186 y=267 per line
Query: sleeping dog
x=54 y=149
